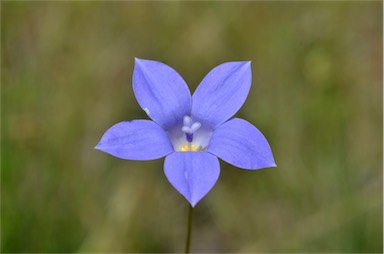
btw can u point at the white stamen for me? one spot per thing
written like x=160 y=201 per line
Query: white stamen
x=195 y=126
x=189 y=126
x=187 y=121
x=186 y=129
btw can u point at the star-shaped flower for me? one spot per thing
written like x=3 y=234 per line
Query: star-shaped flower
x=191 y=131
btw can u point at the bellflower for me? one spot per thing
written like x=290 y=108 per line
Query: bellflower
x=191 y=131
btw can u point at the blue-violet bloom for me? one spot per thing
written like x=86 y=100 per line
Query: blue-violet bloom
x=191 y=131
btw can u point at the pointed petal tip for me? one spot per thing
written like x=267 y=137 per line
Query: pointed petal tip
x=145 y=61
x=240 y=63
x=97 y=146
x=272 y=163
x=246 y=63
x=257 y=168
x=192 y=201
x=138 y=60
x=100 y=147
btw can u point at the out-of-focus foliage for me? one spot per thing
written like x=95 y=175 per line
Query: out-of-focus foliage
x=316 y=95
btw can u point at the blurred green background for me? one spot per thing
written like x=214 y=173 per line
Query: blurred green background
x=316 y=95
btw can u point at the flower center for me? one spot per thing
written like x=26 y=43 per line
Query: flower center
x=189 y=128
x=190 y=136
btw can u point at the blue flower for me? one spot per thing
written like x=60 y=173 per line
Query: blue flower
x=191 y=131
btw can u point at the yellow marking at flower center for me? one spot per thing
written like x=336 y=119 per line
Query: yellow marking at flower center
x=189 y=148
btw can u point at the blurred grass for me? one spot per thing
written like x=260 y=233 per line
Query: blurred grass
x=316 y=95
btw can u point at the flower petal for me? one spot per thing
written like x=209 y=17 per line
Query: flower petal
x=193 y=174
x=136 y=140
x=222 y=93
x=241 y=144
x=161 y=92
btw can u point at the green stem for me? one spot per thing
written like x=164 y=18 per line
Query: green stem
x=189 y=229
